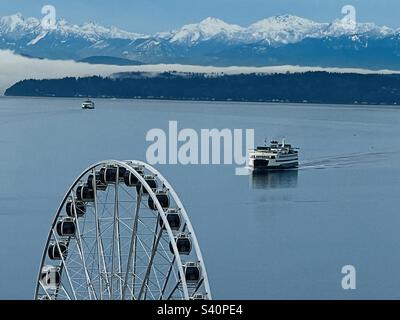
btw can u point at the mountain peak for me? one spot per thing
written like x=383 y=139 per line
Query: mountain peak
x=15 y=17
x=289 y=18
x=284 y=29
x=205 y=30
x=17 y=21
x=284 y=22
x=91 y=31
x=212 y=20
x=216 y=23
x=341 y=27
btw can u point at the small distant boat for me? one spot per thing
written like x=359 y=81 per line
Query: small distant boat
x=88 y=104
x=276 y=156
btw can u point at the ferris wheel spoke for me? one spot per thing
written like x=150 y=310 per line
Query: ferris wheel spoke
x=89 y=282
x=133 y=247
x=146 y=252
x=100 y=252
x=154 y=269
x=45 y=290
x=129 y=289
x=155 y=248
x=131 y=196
x=198 y=286
x=167 y=278
x=165 y=254
x=165 y=257
x=119 y=241
x=151 y=293
x=116 y=245
x=148 y=255
x=125 y=225
x=146 y=249
x=173 y=290
x=64 y=265
x=65 y=292
x=82 y=256
x=154 y=234
x=156 y=241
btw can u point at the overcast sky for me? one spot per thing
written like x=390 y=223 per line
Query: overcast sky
x=149 y=16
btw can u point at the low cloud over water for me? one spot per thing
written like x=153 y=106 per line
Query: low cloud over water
x=14 y=68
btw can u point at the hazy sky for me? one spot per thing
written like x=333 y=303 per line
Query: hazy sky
x=149 y=16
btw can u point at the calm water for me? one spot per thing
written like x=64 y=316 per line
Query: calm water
x=269 y=237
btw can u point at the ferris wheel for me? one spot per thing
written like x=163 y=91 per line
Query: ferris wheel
x=121 y=233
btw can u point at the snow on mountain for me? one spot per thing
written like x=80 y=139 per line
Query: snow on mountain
x=205 y=30
x=290 y=29
x=17 y=25
x=285 y=29
x=94 y=32
x=282 y=29
x=284 y=39
x=279 y=29
x=344 y=28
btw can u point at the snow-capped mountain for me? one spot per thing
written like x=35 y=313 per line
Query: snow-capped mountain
x=284 y=29
x=205 y=30
x=276 y=30
x=18 y=26
x=284 y=39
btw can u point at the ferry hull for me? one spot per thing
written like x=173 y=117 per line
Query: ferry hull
x=265 y=165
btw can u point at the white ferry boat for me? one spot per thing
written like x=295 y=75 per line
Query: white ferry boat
x=88 y=104
x=276 y=156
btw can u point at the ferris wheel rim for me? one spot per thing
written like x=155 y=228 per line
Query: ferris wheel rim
x=129 y=165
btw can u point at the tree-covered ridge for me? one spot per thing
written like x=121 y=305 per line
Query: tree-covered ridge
x=312 y=87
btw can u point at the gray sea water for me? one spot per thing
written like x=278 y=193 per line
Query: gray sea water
x=277 y=236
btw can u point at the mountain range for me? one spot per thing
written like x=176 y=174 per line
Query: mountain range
x=278 y=40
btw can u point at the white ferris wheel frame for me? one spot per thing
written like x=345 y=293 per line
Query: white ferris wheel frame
x=130 y=166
